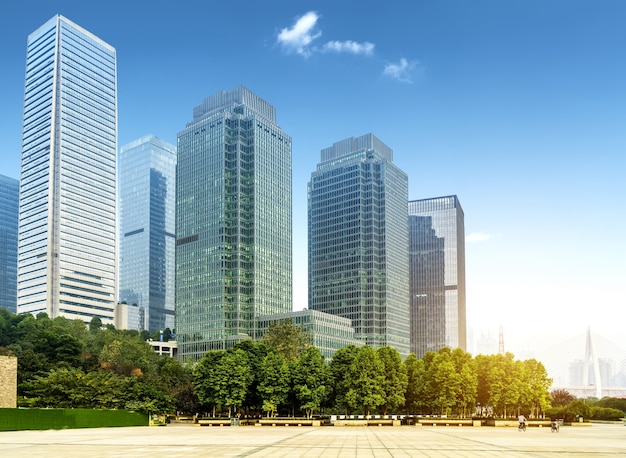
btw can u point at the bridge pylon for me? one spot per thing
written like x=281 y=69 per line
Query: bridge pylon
x=591 y=355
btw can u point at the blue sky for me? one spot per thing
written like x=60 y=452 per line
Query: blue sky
x=517 y=107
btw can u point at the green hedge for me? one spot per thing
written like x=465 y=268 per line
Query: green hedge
x=17 y=419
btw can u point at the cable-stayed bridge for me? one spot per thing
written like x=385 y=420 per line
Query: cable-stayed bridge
x=586 y=365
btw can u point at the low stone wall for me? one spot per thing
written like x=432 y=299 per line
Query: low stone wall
x=8 y=382
x=515 y=423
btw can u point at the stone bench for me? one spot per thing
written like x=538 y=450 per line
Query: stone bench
x=288 y=422
x=214 y=422
x=367 y=422
x=447 y=422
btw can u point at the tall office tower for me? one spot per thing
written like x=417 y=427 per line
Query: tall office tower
x=67 y=215
x=437 y=259
x=9 y=191
x=233 y=221
x=147 y=177
x=358 y=240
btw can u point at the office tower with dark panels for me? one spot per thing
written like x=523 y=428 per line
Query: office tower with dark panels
x=147 y=203
x=358 y=240
x=67 y=211
x=9 y=192
x=233 y=221
x=437 y=260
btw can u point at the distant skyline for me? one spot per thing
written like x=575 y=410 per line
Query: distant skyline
x=518 y=108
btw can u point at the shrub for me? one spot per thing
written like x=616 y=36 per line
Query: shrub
x=606 y=413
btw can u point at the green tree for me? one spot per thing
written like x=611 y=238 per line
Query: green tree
x=29 y=364
x=286 y=339
x=273 y=382
x=205 y=374
x=465 y=366
x=499 y=382
x=146 y=394
x=233 y=379
x=534 y=387
x=127 y=355
x=72 y=388
x=95 y=324
x=414 y=396
x=8 y=327
x=177 y=379
x=365 y=381
x=256 y=352
x=339 y=371
x=311 y=380
x=577 y=408
x=395 y=379
x=442 y=382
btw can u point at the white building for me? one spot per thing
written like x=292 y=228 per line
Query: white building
x=67 y=208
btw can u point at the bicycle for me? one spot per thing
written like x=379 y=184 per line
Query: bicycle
x=522 y=427
x=554 y=427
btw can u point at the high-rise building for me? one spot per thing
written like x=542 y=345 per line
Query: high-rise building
x=437 y=260
x=147 y=187
x=9 y=192
x=67 y=210
x=358 y=240
x=233 y=221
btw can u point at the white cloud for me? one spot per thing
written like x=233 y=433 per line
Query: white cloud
x=298 y=38
x=477 y=237
x=349 y=46
x=400 y=71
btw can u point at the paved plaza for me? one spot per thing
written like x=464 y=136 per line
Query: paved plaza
x=248 y=441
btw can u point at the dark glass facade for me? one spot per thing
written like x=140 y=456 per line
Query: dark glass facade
x=233 y=221
x=147 y=225
x=437 y=267
x=358 y=241
x=9 y=192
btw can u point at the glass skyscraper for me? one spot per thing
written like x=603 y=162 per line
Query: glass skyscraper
x=437 y=259
x=67 y=209
x=358 y=240
x=9 y=191
x=147 y=186
x=233 y=221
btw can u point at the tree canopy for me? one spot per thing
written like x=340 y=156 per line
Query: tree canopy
x=65 y=363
